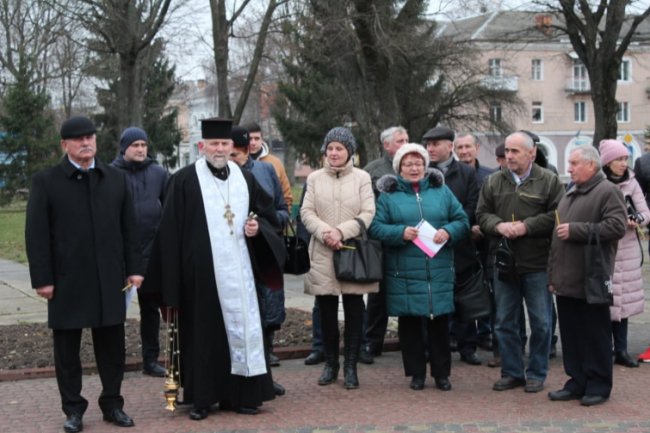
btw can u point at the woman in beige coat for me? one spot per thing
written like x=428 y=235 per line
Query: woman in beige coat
x=336 y=194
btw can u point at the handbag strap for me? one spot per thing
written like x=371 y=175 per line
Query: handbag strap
x=362 y=226
x=594 y=235
x=289 y=229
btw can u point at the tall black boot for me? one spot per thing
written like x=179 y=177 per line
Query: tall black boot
x=352 y=347
x=331 y=369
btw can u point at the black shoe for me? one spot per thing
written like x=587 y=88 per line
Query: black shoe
x=73 y=424
x=365 y=356
x=154 y=369
x=199 y=413
x=119 y=418
x=624 y=358
x=453 y=344
x=507 y=382
x=471 y=359
x=553 y=352
x=350 y=377
x=247 y=410
x=314 y=358
x=274 y=361
x=562 y=395
x=592 y=400
x=533 y=385
x=485 y=343
x=417 y=383
x=278 y=389
x=443 y=384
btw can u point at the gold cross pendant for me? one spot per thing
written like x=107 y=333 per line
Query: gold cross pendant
x=229 y=216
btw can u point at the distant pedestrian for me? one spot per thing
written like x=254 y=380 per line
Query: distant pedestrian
x=83 y=249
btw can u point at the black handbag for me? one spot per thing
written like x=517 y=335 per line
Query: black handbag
x=360 y=259
x=297 y=261
x=472 y=296
x=598 y=278
x=505 y=263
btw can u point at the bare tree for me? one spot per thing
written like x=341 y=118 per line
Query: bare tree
x=30 y=28
x=600 y=33
x=222 y=32
x=125 y=29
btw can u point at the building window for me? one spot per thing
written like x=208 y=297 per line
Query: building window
x=495 y=113
x=580 y=112
x=580 y=77
x=538 y=112
x=623 y=114
x=624 y=72
x=495 y=68
x=536 y=70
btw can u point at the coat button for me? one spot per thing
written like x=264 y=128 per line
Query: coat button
x=79 y=176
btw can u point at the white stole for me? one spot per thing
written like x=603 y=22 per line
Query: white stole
x=232 y=268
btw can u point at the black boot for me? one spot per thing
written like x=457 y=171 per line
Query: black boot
x=331 y=369
x=352 y=347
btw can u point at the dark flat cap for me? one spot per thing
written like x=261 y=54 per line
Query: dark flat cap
x=215 y=127
x=500 y=151
x=239 y=136
x=78 y=126
x=439 y=133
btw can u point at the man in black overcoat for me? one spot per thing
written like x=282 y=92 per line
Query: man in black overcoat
x=217 y=233
x=82 y=248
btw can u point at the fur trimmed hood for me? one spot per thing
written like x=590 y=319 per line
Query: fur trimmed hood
x=390 y=183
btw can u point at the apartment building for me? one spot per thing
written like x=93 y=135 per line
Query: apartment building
x=521 y=53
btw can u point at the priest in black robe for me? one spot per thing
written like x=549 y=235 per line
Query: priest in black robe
x=217 y=233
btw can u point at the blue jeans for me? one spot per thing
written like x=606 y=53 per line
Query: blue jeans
x=508 y=296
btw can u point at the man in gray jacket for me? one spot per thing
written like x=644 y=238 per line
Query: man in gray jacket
x=585 y=329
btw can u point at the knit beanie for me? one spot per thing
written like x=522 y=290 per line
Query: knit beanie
x=129 y=135
x=343 y=136
x=405 y=150
x=611 y=150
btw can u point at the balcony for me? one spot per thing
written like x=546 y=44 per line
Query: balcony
x=508 y=83
x=576 y=86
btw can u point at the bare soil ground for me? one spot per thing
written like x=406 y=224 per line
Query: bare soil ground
x=29 y=345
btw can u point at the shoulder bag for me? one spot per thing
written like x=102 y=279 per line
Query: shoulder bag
x=297 y=261
x=360 y=259
x=598 y=280
x=472 y=295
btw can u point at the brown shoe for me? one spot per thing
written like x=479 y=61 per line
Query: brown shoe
x=494 y=362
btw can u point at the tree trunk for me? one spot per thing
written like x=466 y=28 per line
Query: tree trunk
x=220 y=30
x=129 y=101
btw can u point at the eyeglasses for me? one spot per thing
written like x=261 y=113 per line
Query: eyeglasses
x=413 y=164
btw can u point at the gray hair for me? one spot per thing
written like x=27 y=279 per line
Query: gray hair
x=475 y=139
x=387 y=134
x=527 y=139
x=588 y=153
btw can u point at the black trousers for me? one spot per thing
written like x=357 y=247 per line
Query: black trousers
x=353 y=313
x=412 y=332
x=377 y=320
x=586 y=335
x=108 y=344
x=149 y=328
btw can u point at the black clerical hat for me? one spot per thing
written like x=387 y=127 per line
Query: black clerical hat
x=215 y=127
x=240 y=136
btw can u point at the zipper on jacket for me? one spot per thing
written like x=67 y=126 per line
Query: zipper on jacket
x=418 y=200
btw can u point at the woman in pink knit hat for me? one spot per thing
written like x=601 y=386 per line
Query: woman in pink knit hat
x=627 y=280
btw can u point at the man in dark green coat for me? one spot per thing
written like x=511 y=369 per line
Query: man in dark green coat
x=83 y=250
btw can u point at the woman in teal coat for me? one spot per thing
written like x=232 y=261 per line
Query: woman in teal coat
x=419 y=287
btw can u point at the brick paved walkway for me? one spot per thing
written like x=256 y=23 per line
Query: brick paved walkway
x=384 y=403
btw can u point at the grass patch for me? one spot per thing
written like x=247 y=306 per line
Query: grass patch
x=12 y=234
